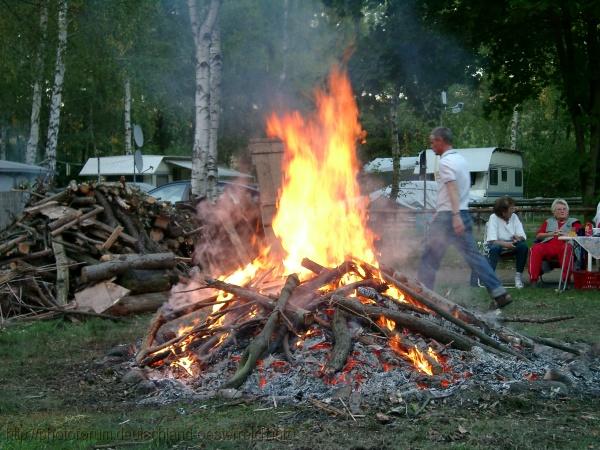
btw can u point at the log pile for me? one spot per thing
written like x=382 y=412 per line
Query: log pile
x=97 y=244
x=386 y=306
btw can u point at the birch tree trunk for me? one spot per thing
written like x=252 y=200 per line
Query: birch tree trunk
x=216 y=65
x=202 y=40
x=284 y=43
x=127 y=117
x=396 y=155
x=36 y=103
x=514 y=127
x=59 y=78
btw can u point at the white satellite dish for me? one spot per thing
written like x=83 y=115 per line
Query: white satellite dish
x=138 y=161
x=138 y=135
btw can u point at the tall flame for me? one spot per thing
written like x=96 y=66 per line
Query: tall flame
x=320 y=214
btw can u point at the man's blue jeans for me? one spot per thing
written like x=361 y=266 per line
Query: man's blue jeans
x=440 y=236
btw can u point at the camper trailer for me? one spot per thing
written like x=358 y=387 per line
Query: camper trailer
x=495 y=171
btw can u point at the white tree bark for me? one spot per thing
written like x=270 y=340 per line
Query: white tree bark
x=202 y=40
x=216 y=64
x=514 y=127
x=56 y=102
x=396 y=154
x=127 y=117
x=284 y=43
x=36 y=103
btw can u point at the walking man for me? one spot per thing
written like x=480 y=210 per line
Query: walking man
x=452 y=223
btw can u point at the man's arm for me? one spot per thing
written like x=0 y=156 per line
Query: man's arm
x=457 y=223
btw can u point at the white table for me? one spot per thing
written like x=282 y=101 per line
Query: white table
x=591 y=244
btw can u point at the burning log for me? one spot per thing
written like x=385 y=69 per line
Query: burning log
x=431 y=300
x=241 y=292
x=155 y=324
x=343 y=343
x=261 y=342
x=422 y=326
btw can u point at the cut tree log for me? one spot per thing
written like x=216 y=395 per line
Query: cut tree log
x=123 y=236
x=108 y=213
x=342 y=345
x=261 y=342
x=112 y=238
x=30 y=256
x=59 y=197
x=141 y=281
x=78 y=202
x=5 y=247
x=123 y=263
x=65 y=219
x=157 y=321
x=62 y=273
x=74 y=222
x=139 y=304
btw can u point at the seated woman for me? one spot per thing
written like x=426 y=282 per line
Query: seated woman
x=548 y=247
x=505 y=235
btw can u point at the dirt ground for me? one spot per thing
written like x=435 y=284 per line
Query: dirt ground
x=59 y=390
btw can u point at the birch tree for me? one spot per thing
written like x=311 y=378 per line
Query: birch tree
x=36 y=103
x=203 y=36
x=396 y=154
x=56 y=102
x=216 y=64
x=127 y=108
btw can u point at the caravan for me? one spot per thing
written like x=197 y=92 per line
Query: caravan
x=495 y=171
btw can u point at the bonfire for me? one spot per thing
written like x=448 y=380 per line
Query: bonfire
x=319 y=288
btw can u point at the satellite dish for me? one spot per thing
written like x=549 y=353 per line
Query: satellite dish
x=138 y=161
x=138 y=135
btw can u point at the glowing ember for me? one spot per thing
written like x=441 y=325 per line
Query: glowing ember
x=320 y=214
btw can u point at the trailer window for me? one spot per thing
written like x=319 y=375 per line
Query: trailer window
x=504 y=175
x=473 y=178
x=518 y=178
x=493 y=177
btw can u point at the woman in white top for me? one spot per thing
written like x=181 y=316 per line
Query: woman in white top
x=505 y=235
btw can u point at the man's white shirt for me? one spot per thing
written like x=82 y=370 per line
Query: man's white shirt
x=453 y=167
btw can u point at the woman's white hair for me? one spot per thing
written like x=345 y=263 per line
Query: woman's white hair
x=559 y=201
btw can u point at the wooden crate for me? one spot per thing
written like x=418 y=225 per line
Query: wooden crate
x=267 y=155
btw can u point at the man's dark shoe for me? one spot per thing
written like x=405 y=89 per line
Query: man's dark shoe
x=503 y=300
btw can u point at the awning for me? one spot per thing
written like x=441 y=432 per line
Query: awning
x=224 y=172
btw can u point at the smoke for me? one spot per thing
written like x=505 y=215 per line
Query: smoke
x=231 y=234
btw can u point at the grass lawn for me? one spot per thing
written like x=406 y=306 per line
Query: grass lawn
x=55 y=395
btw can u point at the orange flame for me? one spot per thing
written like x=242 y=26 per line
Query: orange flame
x=413 y=355
x=384 y=322
x=186 y=363
x=320 y=214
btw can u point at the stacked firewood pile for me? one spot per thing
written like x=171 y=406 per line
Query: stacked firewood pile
x=352 y=303
x=96 y=243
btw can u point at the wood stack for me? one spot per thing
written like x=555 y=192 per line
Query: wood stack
x=256 y=323
x=97 y=243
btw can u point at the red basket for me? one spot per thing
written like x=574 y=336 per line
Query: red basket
x=586 y=280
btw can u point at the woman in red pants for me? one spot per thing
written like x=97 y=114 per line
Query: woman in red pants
x=548 y=247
